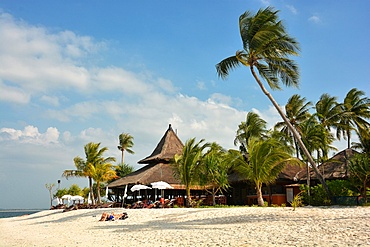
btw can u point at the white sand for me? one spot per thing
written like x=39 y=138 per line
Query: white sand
x=238 y=226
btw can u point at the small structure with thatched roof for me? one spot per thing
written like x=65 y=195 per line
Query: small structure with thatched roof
x=158 y=166
x=334 y=168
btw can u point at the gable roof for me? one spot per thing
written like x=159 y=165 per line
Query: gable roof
x=168 y=146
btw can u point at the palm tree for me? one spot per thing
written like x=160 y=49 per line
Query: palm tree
x=359 y=167
x=266 y=159
x=187 y=163
x=297 y=111
x=364 y=141
x=126 y=142
x=83 y=167
x=102 y=172
x=213 y=170
x=266 y=47
x=327 y=111
x=123 y=169
x=355 y=111
x=254 y=126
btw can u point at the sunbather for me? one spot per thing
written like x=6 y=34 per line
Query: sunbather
x=112 y=216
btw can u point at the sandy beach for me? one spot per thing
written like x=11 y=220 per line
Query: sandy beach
x=235 y=226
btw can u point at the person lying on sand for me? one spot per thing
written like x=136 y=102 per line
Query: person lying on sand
x=112 y=216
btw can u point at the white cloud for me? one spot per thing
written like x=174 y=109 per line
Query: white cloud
x=292 y=9
x=30 y=134
x=314 y=19
x=51 y=100
x=13 y=94
x=35 y=60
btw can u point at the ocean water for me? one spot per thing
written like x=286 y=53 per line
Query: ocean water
x=7 y=213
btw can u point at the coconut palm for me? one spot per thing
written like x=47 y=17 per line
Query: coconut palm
x=213 y=170
x=254 y=126
x=359 y=168
x=126 y=142
x=297 y=111
x=364 y=141
x=102 y=172
x=327 y=111
x=267 y=48
x=265 y=160
x=94 y=156
x=355 y=111
x=187 y=163
x=123 y=169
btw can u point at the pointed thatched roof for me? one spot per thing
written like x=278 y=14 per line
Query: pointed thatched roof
x=158 y=168
x=168 y=146
x=336 y=167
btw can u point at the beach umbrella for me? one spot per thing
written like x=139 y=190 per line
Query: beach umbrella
x=89 y=199
x=161 y=185
x=77 y=198
x=138 y=187
x=68 y=198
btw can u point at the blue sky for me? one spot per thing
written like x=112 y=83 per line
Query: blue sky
x=73 y=72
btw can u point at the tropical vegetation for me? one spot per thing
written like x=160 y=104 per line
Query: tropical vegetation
x=266 y=48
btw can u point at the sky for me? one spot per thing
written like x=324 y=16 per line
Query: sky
x=74 y=72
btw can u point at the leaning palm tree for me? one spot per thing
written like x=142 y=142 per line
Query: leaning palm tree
x=266 y=159
x=83 y=167
x=126 y=142
x=355 y=111
x=254 y=126
x=187 y=163
x=267 y=48
x=297 y=111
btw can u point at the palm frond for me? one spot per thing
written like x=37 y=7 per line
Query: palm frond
x=226 y=65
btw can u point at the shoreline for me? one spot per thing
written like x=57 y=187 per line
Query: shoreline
x=234 y=226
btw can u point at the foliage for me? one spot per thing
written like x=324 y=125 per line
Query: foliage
x=126 y=142
x=320 y=198
x=297 y=201
x=74 y=190
x=254 y=126
x=123 y=169
x=87 y=168
x=187 y=163
x=102 y=172
x=266 y=159
x=359 y=169
x=355 y=109
x=213 y=170
x=266 y=49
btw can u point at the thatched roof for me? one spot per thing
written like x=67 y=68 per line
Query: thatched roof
x=336 y=167
x=290 y=172
x=158 y=168
x=168 y=146
x=146 y=175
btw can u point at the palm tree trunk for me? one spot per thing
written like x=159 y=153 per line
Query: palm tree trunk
x=122 y=156
x=91 y=191
x=188 y=197
x=98 y=186
x=294 y=131
x=260 y=201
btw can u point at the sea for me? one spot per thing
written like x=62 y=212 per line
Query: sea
x=7 y=213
